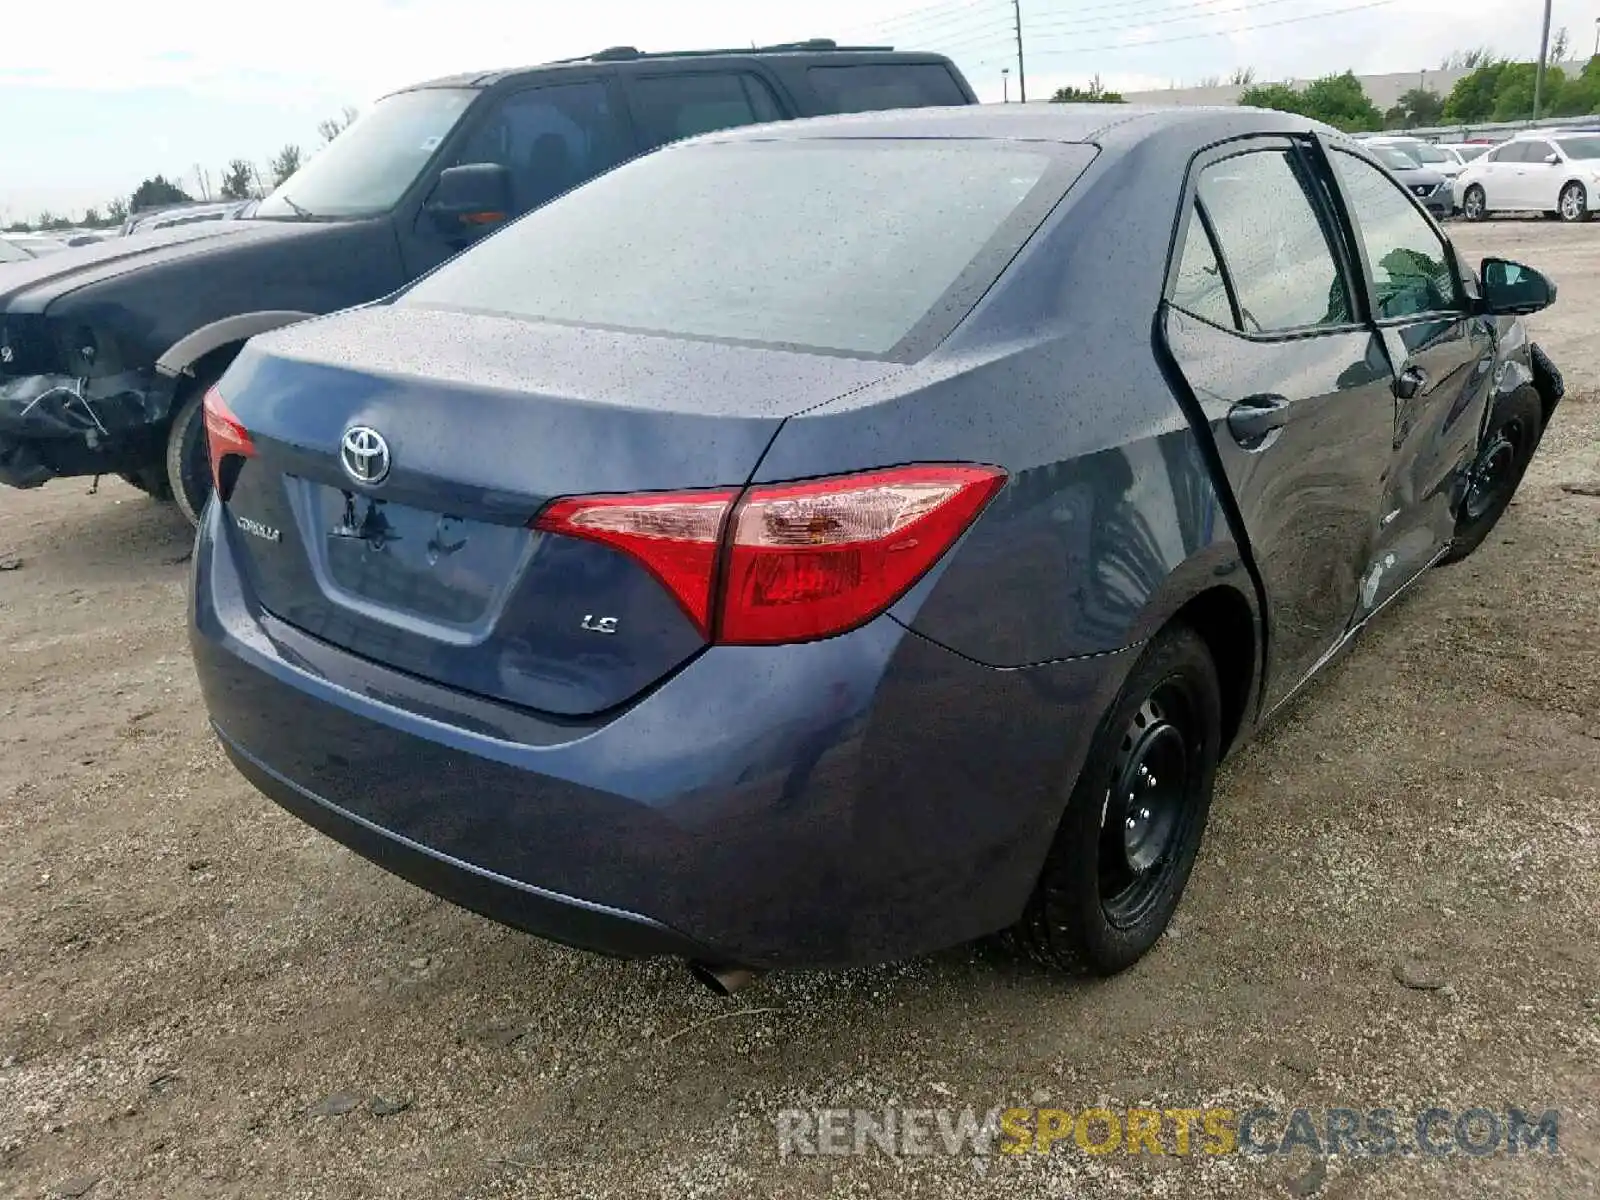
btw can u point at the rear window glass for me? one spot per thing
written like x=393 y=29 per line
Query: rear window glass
x=835 y=245
x=870 y=88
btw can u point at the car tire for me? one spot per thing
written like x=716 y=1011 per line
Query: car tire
x=1474 y=203
x=188 y=460
x=1515 y=427
x=1094 y=910
x=1574 y=203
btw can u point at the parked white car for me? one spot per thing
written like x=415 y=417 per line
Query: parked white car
x=1428 y=154
x=1558 y=175
x=1465 y=152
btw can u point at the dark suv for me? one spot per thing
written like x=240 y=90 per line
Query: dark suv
x=107 y=350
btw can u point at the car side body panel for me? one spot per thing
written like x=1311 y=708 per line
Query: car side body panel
x=1109 y=492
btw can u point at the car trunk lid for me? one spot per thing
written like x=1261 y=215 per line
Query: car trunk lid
x=433 y=568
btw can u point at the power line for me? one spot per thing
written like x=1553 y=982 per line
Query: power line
x=979 y=41
x=953 y=35
x=931 y=13
x=1097 y=27
x=1133 y=10
x=1210 y=33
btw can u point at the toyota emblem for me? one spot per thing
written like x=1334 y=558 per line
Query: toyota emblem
x=365 y=455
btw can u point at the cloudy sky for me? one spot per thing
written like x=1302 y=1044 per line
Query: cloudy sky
x=115 y=90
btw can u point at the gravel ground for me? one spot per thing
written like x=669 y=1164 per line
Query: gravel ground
x=201 y=997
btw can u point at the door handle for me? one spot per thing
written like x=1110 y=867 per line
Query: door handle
x=1250 y=421
x=1412 y=380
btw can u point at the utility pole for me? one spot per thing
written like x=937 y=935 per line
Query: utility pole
x=1022 y=74
x=1544 y=52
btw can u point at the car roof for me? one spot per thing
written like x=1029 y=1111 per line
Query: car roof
x=1044 y=121
x=816 y=49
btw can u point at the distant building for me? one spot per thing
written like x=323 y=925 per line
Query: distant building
x=1383 y=90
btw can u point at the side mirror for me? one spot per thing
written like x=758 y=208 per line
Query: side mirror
x=470 y=199
x=1511 y=289
x=1552 y=160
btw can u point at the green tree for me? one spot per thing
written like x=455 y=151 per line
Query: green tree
x=19 y=227
x=117 y=210
x=1513 y=96
x=92 y=218
x=1337 y=100
x=1342 y=102
x=155 y=191
x=237 y=180
x=1473 y=96
x=1095 y=93
x=1278 y=96
x=1581 y=95
x=1467 y=60
x=1418 y=108
x=285 y=164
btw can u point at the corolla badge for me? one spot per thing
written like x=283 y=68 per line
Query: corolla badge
x=364 y=454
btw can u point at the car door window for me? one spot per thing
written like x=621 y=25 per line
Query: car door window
x=1537 y=152
x=550 y=139
x=669 y=107
x=873 y=87
x=1406 y=258
x=1273 y=242
x=1199 y=289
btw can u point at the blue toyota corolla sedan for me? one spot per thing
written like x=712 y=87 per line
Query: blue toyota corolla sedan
x=828 y=542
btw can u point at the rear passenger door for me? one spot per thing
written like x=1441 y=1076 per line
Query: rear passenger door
x=679 y=104
x=1261 y=320
x=1498 y=176
x=1538 y=181
x=1442 y=359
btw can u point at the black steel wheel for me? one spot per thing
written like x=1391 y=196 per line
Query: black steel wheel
x=1503 y=456
x=1135 y=816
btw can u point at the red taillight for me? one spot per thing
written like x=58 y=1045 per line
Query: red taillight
x=808 y=560
x=674 y=534
x=225 y=434
x=804 y=560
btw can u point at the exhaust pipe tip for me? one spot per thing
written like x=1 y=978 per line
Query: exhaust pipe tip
x=723 y=980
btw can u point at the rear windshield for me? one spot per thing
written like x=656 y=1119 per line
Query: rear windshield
x=1394 y=159
x=1426 y=154
x=850 y=245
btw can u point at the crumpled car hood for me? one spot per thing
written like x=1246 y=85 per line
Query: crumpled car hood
x=31 y=286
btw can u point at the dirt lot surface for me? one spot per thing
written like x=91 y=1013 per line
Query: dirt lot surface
x=193 y=985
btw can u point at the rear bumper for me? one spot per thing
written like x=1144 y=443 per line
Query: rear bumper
x=550 y=915
x=864 y=798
